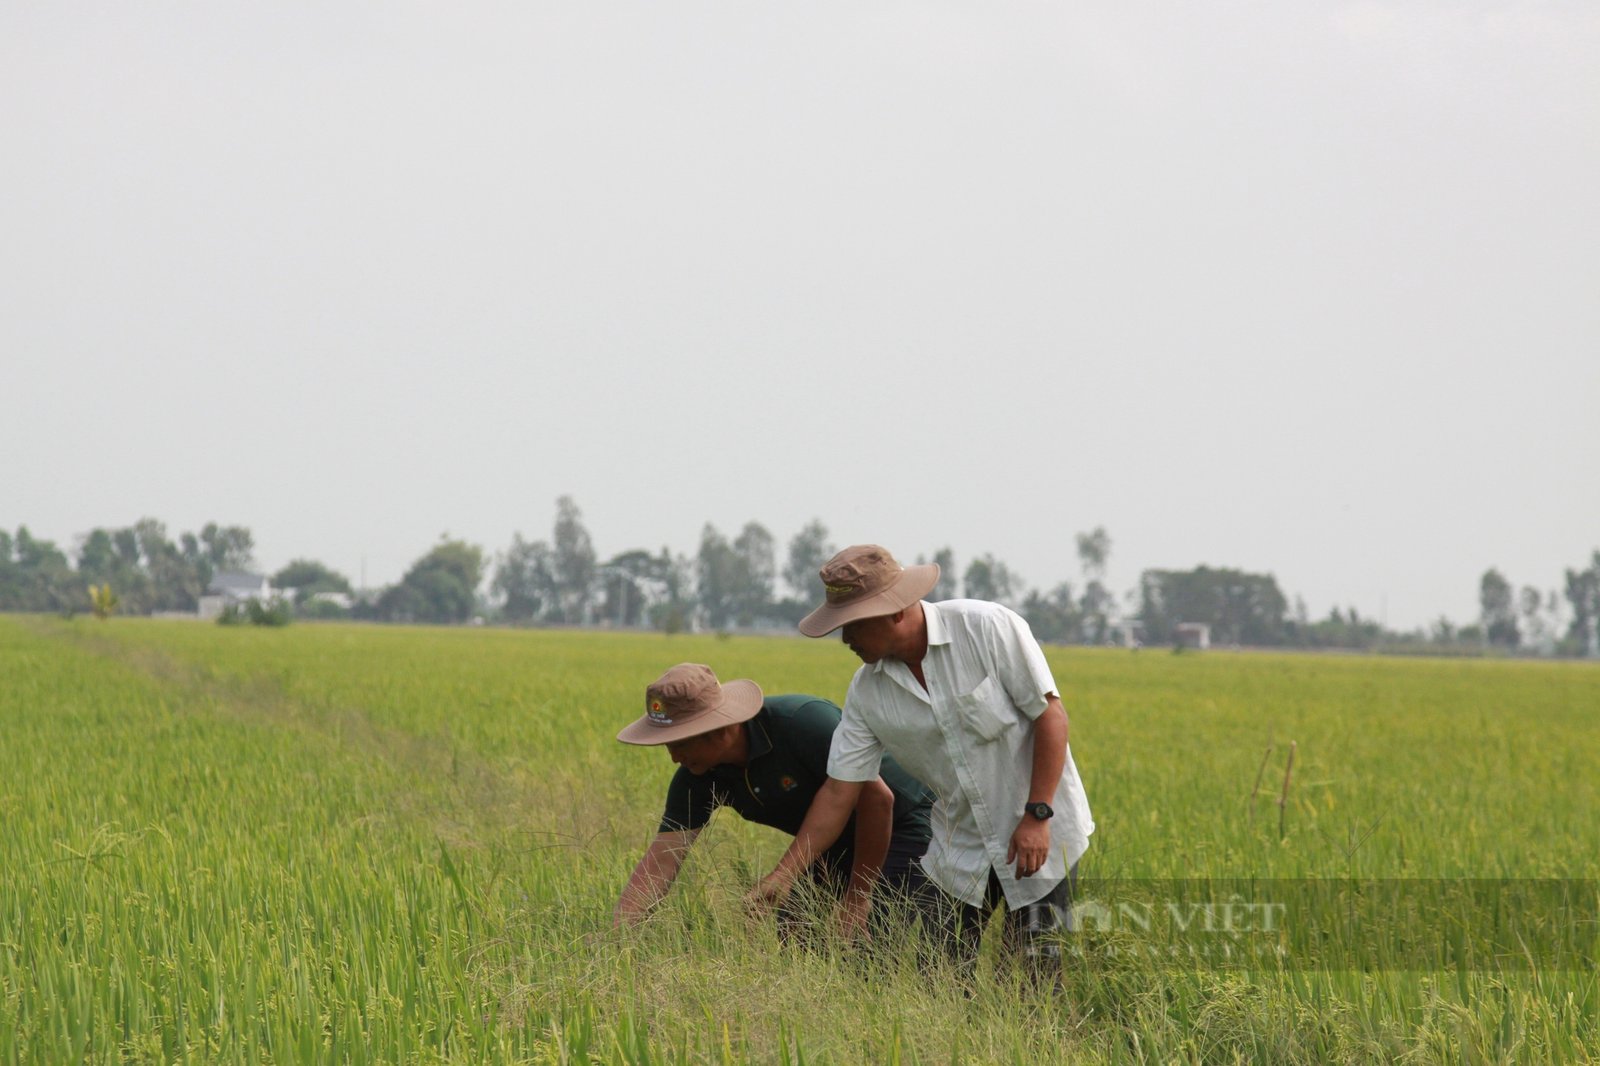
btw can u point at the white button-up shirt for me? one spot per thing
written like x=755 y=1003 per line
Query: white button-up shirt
x=969 y=738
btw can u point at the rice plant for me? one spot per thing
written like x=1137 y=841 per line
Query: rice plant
x=356 y=844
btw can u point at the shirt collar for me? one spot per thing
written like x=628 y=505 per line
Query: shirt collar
x=758 y=739
x=938 y=633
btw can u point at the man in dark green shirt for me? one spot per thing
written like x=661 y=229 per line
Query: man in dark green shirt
x=766 y=759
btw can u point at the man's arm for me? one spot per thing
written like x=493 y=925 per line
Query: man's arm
x=824 y=821
x=1030 y=844
x=848 y=754
x=653 y=876
x=874 y=824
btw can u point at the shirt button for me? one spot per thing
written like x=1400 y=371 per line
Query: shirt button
x=758 y=790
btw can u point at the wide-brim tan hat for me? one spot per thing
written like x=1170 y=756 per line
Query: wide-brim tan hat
x=688 y=700
x=864 y=581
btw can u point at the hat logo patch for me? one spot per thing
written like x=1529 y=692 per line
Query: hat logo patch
x=657 y=715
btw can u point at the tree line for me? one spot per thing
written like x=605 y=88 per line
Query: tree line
x=747 y=581
x=149 y=571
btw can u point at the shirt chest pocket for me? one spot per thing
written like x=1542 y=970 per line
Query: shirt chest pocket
x=986 y=710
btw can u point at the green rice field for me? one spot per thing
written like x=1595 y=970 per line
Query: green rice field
x=333 y=843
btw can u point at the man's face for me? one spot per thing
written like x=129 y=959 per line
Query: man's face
x=699 y=754
x=870 y=638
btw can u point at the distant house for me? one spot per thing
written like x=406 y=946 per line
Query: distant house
x=1192 y=635
x=232 y=588
x=1129 y=632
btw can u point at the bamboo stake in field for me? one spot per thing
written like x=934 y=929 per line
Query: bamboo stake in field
x=1283 y=799
x=1260 y=773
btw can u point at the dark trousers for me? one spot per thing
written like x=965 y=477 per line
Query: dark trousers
x=1030 y=935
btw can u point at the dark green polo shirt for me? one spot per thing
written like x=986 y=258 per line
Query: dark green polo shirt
x=788 y=762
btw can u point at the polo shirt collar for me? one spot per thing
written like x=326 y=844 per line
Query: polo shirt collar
x=758 y=739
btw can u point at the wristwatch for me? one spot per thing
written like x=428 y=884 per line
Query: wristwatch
x=1041 y=811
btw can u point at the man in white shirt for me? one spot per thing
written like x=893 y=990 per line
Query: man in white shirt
x=960 y=694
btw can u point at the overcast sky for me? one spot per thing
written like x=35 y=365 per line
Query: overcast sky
x=1306 y=288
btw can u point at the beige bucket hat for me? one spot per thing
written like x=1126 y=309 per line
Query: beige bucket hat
x=688 y=700
x=864 y=581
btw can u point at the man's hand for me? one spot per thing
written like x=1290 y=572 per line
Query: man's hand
x=1030 y=846
x=851 y=916
x=769 y=892
x=825 y=818
x=653 y=876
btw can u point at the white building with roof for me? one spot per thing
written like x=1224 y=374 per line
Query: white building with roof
x=233 y=588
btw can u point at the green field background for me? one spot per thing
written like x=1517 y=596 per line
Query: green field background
x=334 y=843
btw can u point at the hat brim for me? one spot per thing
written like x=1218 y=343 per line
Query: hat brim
x=914 y=583
x=741 y=701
